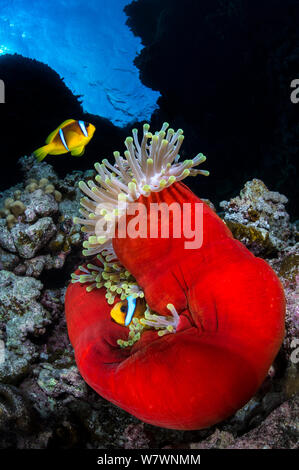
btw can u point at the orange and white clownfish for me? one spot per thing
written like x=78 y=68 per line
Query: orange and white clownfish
x=71 y=136
x=124 y=311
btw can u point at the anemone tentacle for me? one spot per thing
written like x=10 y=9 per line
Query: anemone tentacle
x=111 y=275
x=163 y=325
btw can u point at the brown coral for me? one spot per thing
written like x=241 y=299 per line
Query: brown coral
x=13 y=208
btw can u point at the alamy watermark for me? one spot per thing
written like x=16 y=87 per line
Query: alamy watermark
x=2 y=91
x=153 y=220
x=295 y=354
x=295 y=93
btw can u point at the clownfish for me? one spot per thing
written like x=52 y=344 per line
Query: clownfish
x=71 y=136
x=124 y=311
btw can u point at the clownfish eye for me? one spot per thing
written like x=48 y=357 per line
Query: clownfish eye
x=86 y=124
x=123 y=309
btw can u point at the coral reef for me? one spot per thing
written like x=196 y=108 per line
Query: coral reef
x=23 y=205
x=278 y=431
x=258 y=218
x=44 y=402
x=24 y=317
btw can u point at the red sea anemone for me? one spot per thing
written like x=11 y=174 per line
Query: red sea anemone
x=214 y=318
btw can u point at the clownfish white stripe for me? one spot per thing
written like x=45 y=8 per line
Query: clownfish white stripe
x=83 y=128
x=131 y=309
x=61 y=134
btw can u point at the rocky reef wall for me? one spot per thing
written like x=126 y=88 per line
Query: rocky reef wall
x=44 y=402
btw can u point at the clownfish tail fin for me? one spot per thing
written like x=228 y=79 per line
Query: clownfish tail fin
x=41 y=153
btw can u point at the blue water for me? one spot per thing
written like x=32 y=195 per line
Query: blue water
x=87 y=43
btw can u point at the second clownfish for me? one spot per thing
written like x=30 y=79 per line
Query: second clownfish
x=71 y=136
x=124 y=311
